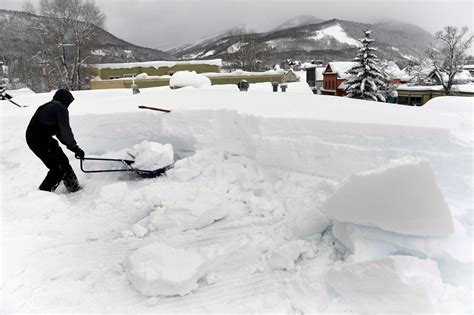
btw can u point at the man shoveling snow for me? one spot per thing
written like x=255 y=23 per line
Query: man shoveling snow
x=52 y=119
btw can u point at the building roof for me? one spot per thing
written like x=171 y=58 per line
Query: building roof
x=340 y=68
x=462 y=88
x=394 y=72
x=157 y=64
x=464 y=75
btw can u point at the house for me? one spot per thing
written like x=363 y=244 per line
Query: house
x=143 y=80
x=290 y=76
x=334 y=77
x=417 y=95
x=469 y=68
x=461 y=77
x=106 y=75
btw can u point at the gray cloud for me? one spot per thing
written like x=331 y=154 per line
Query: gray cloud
x=164 y=23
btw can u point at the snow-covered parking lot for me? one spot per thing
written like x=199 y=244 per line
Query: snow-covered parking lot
x=278 y=202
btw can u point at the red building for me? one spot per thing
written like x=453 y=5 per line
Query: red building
x=334 y=77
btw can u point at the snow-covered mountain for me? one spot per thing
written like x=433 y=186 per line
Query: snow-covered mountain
x=19 y=39
x=330 y=40
x=301 y=20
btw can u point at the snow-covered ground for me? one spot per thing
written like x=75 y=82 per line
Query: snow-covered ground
x=278 y=202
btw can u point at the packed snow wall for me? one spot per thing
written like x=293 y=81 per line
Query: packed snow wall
x=325 y=148
x=332 y=149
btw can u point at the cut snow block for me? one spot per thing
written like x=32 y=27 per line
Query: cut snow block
x=159 y=269
x=453 y=253
x=390 y=284
x=150 y=156
x=402 y=197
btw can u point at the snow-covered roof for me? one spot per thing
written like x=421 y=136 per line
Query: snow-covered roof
x=468 y=67
x=23 y=91
x=341 y=67
x=392 y=69
x=246 y=73
x=463 y=88
x=464 y=75
x=157 y=64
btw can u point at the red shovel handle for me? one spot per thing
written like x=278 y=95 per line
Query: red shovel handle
x=154 y=108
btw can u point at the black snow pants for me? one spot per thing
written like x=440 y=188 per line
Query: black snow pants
x=57 y=162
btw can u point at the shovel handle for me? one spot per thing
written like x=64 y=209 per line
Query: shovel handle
x=155 y=108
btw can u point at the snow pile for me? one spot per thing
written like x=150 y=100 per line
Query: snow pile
x=159 y=269
x=394 y=198
x=151 y=156
x=395 y=284
x=141 y=76
x=253 y=172
x=186 y=78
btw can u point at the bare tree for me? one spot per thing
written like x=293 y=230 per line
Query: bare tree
x=451 y=57
x=68 y=32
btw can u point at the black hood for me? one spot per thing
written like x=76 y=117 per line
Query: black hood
x=64 y=97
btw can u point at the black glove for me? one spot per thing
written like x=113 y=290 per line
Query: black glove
x=78 y=153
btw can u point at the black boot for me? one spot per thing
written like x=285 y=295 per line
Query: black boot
x=52 y=180
x=70 y=180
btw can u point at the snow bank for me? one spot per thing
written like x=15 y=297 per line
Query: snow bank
x=159 y=269
x=402 y=197
x=152 y=155
x=186 y=78
x=395 y=284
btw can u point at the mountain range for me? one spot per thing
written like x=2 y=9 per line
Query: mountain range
x=327 y=41
x=19 y=39
x=301 y=38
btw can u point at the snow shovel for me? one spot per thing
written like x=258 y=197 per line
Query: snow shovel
x=8 y=97
x=128 y=168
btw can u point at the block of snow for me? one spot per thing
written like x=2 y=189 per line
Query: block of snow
x=452 y=253
x=402 y=197
x=193 y=210
x=390 y=284
x=152 y=155
x=286 y=255
x=186 y=78
x=158 y=269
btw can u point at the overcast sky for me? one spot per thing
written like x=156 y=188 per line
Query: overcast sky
x=165 y=23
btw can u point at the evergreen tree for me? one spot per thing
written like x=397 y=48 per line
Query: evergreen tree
x=367 y=81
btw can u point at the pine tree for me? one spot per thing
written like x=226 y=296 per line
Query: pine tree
x=366 y=80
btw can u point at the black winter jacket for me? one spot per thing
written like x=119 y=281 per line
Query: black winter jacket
x=52 y=119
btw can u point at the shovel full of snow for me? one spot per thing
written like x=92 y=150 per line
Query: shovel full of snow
x=126 y=166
